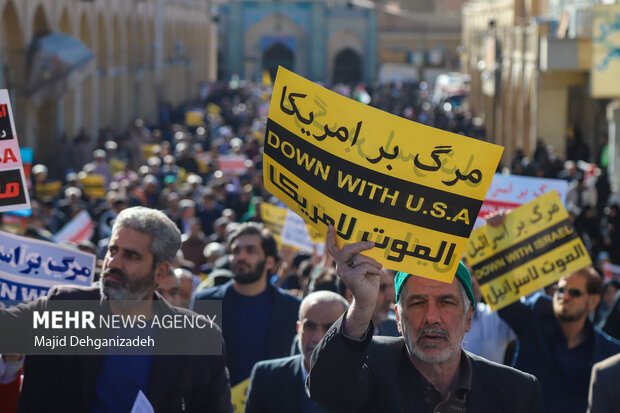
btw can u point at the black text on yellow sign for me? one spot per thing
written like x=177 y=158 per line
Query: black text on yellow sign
x=368 y=190
x=420 y=249
x=417 y=206
x=535 y=246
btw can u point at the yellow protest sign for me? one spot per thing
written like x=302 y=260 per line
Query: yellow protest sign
x=116 y=165
x=412 y=189
x=213 y=109
x=148 y=149
x=238 y=395
x=266 y=78
x=315 y=236
x=94 y=185
x=273 y=218
x=194 y=117
x=535 y=246
x=44 y=189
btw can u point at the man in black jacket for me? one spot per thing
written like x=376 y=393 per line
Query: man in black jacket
x=604 y=396
x=258 y=318
x=143 y=244
x=317 y=313
x=426 y=369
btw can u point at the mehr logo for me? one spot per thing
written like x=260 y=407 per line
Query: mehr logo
x=58 y=319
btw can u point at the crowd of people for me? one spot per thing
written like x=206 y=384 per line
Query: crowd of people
x=206 y=182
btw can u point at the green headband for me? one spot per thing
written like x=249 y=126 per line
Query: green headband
x=462 y=273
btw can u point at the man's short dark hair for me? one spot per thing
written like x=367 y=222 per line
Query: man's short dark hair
x=268 y=242
x=324 y=279
x=594 y=283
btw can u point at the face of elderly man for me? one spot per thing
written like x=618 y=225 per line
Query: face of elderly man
x=316 y=317
x=433 y=317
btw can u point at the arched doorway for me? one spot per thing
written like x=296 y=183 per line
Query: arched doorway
x=278 y=55
x=348 y=67
x=11 y=53
x=41 y=24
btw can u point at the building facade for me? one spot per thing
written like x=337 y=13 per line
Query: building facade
x=418 y=39
x=73 y=65
x=531 y=70
x=339 y=41
x=324 y=40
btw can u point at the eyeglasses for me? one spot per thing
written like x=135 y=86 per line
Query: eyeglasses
x=573 y=292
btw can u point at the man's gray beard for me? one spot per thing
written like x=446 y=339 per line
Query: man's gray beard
x=417 y=352
x=123 y=293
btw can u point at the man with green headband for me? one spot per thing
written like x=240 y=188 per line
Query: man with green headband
x=425 y=370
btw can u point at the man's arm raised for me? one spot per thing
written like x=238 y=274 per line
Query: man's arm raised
x=338 y=380
x=361 y=274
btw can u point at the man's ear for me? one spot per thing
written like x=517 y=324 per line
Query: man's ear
x=468 y=320
x=400 y=330
x=161 y=271
x=593 y=300
x=270 y=264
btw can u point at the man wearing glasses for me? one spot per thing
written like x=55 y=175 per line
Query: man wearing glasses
x=557 y=342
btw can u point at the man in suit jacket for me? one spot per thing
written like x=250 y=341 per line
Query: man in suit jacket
x=278 y=385
x=426 y=369
x=258 y=318
x=604 y=396
x=143 y=244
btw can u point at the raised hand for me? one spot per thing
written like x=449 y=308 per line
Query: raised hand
x=361 y=274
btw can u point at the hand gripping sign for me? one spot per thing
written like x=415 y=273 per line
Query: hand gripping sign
x=412 y=189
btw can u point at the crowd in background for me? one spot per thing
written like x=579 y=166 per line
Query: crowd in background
x=182 y=165
x=176 y=168
x=180 y=173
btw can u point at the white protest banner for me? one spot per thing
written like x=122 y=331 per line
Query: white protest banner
x=611 y=271
x=288 y=228
x=507 y=192
x=296 y=233
x=30 y=267
x=232 y=164
x=78 y=229
x=13 y=189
